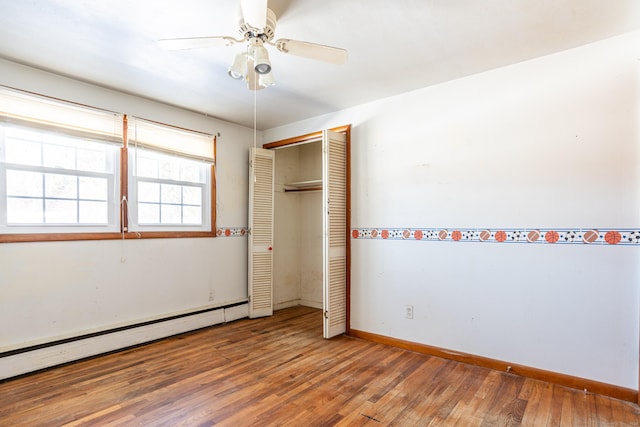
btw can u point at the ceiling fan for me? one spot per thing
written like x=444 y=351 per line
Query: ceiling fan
x=257 y=25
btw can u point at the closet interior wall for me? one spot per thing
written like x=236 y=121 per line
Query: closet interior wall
x=297 y=257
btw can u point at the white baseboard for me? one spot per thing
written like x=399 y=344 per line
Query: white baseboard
x=297 y=302
x=48 y=356
x=313 y=304
x=286 y=304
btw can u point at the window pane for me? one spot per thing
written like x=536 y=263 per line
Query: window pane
x=58 y=156
x=24 y=211
x=192 y=215
x=23 y=183
x=92 y=160
x=94 y=213
x=61 y=186
x=61 y=211
x=171 y=214
x=171 y=193
x=192 y=195
x=192 y=172
x=93 y=188
x=57 y=151
x=23 y=152
x=148 y=192
x=147 y=168
x=148 y=213
x=169 y=169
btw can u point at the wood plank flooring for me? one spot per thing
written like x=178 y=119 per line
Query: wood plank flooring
x=279 y=371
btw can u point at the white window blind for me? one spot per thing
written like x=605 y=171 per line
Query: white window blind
x=33 y=111
x=145 y=134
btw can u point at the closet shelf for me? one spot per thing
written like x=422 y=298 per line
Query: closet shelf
x=315 y=184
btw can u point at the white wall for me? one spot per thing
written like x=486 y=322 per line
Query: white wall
x=552 y=142
x=60 y=289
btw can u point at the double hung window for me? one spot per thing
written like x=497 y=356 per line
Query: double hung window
x=170 y=178
x=59 y=164
x=68 y=171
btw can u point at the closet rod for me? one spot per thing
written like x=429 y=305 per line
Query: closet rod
x=287 y=190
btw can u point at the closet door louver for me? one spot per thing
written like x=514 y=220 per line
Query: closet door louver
x=260 y=243
x=334 y=167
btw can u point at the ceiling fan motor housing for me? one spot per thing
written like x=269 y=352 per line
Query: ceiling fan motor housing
x=265 y=34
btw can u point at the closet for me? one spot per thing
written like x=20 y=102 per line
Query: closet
x=298 y=226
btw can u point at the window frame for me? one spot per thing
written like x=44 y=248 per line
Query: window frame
x=111 y=176
x=133 y=202
x=122 y=221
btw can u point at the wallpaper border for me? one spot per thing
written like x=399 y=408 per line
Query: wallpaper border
x=231 y=231
x=589 y=236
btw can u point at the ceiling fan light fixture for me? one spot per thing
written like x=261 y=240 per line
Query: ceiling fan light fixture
x=263 y=68
x=266 y=80
x=238 y=70
x=260 y=56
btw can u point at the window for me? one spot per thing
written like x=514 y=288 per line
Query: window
x=56 y=181
x=58 y=177
x=169 y=192
x=67 y=173
x=170 y=178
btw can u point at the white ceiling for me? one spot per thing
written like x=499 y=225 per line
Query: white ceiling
x=394 y=46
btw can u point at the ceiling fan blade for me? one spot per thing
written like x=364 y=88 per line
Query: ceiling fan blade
x=333 y=55
x=196 y=42
x=254 y=13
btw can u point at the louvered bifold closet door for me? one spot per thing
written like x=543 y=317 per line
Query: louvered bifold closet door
x=334 y=163
x=260 y=256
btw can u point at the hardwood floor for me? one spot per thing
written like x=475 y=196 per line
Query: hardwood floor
x=279 y=371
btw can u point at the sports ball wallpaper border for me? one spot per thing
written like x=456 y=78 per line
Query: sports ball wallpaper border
x=231 y=231
x=589 y=236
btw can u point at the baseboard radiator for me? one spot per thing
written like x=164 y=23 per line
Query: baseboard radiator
x=18 y=362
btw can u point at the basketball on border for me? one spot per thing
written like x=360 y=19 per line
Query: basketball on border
x=501 y=236
x=612 y=237
x=551 y=236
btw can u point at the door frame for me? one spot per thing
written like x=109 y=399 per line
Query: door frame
x=302 y=139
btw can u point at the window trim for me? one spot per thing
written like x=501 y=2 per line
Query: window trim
x=124 y=234
x=132 y=200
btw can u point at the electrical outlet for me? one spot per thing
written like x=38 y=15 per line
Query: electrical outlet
x=211 y=295
x=408 y=311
